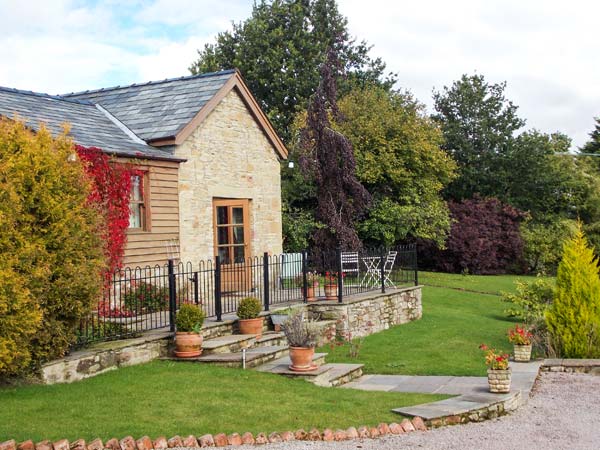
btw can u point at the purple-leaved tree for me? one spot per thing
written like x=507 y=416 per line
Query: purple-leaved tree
x=328 y=157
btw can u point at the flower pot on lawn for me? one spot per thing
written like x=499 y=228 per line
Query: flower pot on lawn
x=522 y=353
x=499 y=380
x=331 y=292
x=248 y=312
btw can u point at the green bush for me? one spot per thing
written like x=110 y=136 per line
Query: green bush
x=249 y=308
x=573 y=320
x=50 y=251
x=146 y=297
x=543 y=243
x=189 y=318
x=531 y=300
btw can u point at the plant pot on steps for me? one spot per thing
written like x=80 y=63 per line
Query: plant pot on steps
x=302 y=359
x=499 y=380
x=310 y=292
x=251 y=326
x=522 y=353
x=188 y=344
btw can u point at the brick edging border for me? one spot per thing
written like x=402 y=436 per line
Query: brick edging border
x=222 y=439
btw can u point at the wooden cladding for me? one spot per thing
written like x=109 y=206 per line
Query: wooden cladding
x=153 y=243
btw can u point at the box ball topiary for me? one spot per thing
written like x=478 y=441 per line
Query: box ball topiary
x=189 y=319
x=249 y=308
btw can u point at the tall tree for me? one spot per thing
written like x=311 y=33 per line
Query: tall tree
x=279 y=50
x=328 y=159
x=400 y=162
x=479 y=126
x=593 y=145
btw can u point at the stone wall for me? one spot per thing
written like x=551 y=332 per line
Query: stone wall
x=371 y=312
x=104 y=357
x=228 y=156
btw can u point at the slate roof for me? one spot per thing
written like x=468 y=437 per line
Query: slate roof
x=158 y=109
x=90 y=126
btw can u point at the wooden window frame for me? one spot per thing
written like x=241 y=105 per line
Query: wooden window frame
x=145 y=215
x=244 y=203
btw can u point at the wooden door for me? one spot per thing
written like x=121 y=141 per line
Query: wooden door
x=232 y=243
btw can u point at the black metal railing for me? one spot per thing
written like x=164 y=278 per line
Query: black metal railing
x=144 y=299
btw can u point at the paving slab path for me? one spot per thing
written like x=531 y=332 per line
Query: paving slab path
x=471 y=393
x=562 y=413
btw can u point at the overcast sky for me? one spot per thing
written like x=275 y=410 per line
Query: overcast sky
x=547 y=50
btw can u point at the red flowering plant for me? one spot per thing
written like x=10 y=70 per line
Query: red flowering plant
x=332 y=278
x=493 y=359
x=519 y=335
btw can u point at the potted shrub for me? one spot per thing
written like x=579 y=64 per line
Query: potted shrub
x=498 y=370
x=312 y=284
x=520 y=337
x=188 y=323
x=302 y=338
x=248 y=314
x=331 y=285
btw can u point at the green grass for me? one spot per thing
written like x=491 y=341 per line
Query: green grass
x=492 y=284
x=444 y=342
x=167 y=398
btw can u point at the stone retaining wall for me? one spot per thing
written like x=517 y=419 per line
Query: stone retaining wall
x=371 y=312
x=104 y=357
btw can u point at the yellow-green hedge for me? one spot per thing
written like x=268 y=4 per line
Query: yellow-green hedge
x=50 y=253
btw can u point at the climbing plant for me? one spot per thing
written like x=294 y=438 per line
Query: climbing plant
x=109 y=195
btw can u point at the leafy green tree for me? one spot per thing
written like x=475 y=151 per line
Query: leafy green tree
x=279 y=50
x=400 y=162
x=543 y=242
x=593 y=145
x=50 y=251
x=574 y=318
x=479 y=125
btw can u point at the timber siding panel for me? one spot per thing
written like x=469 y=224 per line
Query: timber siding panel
x=150 y=247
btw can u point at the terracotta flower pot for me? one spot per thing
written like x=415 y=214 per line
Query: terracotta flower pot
x=302 y=359
x=331 y=292
x=499 y=380
x=251 y=326
x=522 y=352
x=188 y=344
x=310 y=292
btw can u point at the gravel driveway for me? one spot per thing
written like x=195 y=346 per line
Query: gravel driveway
x=563 y=413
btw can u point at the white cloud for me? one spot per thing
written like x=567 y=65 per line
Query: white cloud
x=545 y=50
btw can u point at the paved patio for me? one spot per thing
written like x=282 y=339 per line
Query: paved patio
x=472 y=393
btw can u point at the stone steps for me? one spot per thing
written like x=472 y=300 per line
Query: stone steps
x=325 y=374
x=235 y=343
x=254 y=357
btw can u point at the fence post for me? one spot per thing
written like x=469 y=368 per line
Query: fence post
x=383 y=257
x=218 y=305
x=340 y=278
x=195 y=281
x=266 y=280
x=304 y=277
x=172 y=295
x=416 y=267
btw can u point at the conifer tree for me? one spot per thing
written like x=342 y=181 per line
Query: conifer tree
x=574 y=317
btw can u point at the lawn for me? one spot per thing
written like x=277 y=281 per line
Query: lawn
x=491 y=284
x=445 y=341
x=168 y=398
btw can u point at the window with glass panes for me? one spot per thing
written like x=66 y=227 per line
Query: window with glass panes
x=231 y=230
x=137 y=202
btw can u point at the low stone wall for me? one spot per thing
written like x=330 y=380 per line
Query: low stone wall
x=370 y=312
x=572 y=365
x=104 y=357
